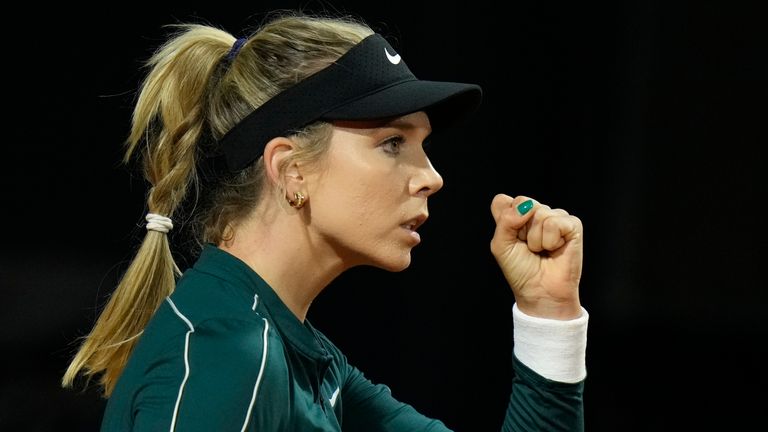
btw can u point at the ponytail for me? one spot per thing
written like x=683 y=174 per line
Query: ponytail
x=167 y=124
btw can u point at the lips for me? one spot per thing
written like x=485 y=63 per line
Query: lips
x=414 y=223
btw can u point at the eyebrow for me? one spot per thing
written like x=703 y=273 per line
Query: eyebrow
x=401 y=124
x=397 y=123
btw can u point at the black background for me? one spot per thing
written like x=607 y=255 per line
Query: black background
x=646 y=119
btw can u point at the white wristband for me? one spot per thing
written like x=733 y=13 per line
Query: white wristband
x=552 y=348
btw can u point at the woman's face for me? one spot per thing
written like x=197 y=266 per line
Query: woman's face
x=371 y=193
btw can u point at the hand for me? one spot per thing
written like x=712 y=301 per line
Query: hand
x=540 y=253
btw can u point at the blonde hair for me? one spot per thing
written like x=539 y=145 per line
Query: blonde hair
x=192 y=95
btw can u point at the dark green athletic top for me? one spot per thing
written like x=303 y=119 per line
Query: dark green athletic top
x=223 y=353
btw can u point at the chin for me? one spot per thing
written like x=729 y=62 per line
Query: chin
x=395 y=264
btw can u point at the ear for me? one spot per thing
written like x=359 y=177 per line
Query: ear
x=276 y=153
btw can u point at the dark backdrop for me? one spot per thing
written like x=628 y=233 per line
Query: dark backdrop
x=646 y=119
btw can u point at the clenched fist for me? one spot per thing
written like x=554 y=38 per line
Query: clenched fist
x=539 y=250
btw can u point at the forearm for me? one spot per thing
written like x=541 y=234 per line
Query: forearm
x=549 y=364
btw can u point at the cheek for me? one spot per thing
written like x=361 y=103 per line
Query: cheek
x=359 y=197
x=362 y=204
x=363 y=209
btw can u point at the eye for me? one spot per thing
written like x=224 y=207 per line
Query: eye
x=392 y=145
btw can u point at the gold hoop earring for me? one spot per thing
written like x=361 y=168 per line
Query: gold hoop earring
x=298 y=200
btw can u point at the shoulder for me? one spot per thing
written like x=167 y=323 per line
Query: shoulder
x=233 y=340
x=214 y=376
x=199 y=296
x=219 y=361
x=177 y=343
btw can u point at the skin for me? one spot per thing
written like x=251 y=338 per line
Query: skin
x=364 y=200
x=540 y=254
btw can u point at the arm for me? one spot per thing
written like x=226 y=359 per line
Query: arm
x=549 y=371
x=372 y=408
x=546 y=391
x=540 y=250
x=540 y=253
x=368 y=407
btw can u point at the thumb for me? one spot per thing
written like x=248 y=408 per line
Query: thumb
x=511 y=215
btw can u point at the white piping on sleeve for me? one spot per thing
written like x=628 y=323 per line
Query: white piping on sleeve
x=261 y=373
x=186 y=361
x=255 y=301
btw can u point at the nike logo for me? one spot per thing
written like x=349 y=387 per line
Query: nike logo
x=394 y=59
x=332 y=400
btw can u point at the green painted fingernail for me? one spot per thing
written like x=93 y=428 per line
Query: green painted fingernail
x=525 y=207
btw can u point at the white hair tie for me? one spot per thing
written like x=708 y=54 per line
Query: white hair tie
x=156 y=222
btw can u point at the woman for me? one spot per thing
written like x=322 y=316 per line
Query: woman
x=266 y=133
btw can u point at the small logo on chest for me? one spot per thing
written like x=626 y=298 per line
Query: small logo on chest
x=335 y=395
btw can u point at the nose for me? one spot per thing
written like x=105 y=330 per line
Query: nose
x=427 y=181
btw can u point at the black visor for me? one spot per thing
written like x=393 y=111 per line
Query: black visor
x=369 y=82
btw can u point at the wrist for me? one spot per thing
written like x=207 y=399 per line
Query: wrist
x=558 y=309
x=554 y=349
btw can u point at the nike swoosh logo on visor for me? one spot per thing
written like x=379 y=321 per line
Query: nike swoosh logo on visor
x=394 y=59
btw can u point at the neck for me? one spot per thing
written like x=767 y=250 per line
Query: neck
x=285 y=254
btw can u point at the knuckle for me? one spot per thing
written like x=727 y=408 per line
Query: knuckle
x=577 y=221
x=550 y=223
x=507 y=217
